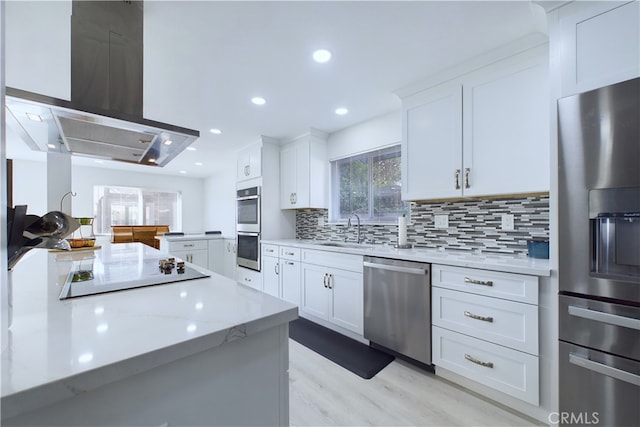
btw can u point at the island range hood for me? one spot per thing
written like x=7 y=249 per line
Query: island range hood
x=104 y=117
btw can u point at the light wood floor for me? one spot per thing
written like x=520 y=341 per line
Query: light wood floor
x=325 y=394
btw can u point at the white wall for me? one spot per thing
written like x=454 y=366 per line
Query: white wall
x=220 y=198
x=366 y=136
x=30 y=188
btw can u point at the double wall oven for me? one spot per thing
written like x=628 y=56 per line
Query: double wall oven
x=248 y=227
x=599 y=256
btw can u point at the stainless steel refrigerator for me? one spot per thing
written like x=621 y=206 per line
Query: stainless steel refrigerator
x=599 y=256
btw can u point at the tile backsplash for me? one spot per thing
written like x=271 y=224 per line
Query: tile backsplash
x=474 y=225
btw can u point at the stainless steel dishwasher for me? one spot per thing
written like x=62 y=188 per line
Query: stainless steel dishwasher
x=397 y=306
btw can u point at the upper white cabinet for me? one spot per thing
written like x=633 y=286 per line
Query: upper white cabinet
x=304 y=172
x=484 y=133
x=249 y=163
x=432 y=143
x=599 y=42
x=38 y=47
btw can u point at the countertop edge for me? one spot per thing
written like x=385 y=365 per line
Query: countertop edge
x=55 y=391
x=494 y=262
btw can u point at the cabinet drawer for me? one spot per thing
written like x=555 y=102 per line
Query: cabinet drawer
x=506 y=370
x=188 y=245
x=508 y=323
x=511 y=286
x=249 y=277
x=333 y=259
x=287 y=252
x=270 y=250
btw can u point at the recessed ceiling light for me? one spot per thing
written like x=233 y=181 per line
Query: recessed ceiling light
x=321 y=55
x=52 y=146
x=183 y=171
x=191 y=148
x=258 y=100
x=34 y=117
x=341 y=111
x=99 y=161
x=152 y=160
x=168 y=142
x=215 y=131
x=198 y=163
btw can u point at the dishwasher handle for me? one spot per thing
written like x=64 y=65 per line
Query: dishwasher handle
x=399 y=269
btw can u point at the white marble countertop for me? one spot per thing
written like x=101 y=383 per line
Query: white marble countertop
x=508 y=263
x=56 y=349
x=190 y=236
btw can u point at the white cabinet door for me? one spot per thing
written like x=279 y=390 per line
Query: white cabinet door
x=506 y=127
x=216 y=255
x=249 y=277
x=249 y=163
x=288 y=176
x=347 y=300
x=197 y=257
x=304 y=173
x=290 y=280
x=230 y=258
x=600 y=44
x=432 y=144
x=271 y=276
x=316 y=296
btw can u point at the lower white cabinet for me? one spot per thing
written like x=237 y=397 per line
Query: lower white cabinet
x=512 y=372
x=332 y=294
x=270 y=274
x=290 y=280
x=229 y=258
x=216 y=255
x=281 y=272
x=249 y=277
x=485 y=328
x=193 y=251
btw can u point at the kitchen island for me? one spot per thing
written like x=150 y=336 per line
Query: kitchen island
x=206 y=351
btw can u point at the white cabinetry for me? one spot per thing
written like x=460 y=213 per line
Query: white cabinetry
x=485 y=328
x=332 y=289
x=249 y=163
x=249 y=277
x=229 y=255
x=304 y=172
x=281 y=272
x=484 y=133
x=270 y=270
x=193 y=251
x=600 y=42
x=216 y=255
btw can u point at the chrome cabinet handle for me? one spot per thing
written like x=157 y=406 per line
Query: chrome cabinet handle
x=289 y=253
x=477 y=317
x=457 y=179
x=289 y=263
x=467 y=171
x=188 y=245
x=325 y=280
x=246 y=279
x=276 y=269
x=247 y=170
x=228 y=246
x=269 y=250
x=295 y=198
x=329 y=281
x=478 y=282
x=291 y=198
x=478 y=362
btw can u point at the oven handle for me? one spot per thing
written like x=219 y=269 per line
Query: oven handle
x=600 y=368
x=247 y=198
x=246 y=233
x=599 y=316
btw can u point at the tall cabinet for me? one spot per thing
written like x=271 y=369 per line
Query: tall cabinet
x=483 y=133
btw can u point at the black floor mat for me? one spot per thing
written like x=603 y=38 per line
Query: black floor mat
x=358 y=358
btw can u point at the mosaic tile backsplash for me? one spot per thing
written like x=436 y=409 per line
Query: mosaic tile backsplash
x=474 y=225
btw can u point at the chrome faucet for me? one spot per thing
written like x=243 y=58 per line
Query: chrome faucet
x=357 y=229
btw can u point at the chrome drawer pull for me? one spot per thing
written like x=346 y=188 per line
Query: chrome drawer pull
x=270 y=250
x=289 y=263
x=289 y=253
x=477 y=317
x=478 y=362
x=478 y=282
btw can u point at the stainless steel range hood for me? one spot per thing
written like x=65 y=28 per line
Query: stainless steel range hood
x=104 y=117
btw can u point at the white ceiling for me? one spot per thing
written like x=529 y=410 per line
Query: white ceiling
x=204 y=60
